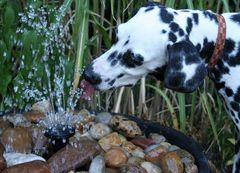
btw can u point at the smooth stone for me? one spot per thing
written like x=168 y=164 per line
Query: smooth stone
x=43 y=106
x=128 y=146
x=138 y=152
x=40 y=141
x=115 y=157
x=185 y=156
x=155 y=153
x=19 y=120
x=72 y=157
x=17 y=139
x=104 y=117
x=33 y=167
x=3 y=163
x=166 y=144
x=99 y=130
x=191 y=168
x=4 y=124
x=142 y=142
x=135 y=160
x=112 y=170
x=33 y=116
x=151 y=168
x=173 y=148
x=151 y=147
x=157 y=138
x=123 y=125
x=171 y=163
x=129 y=168
x=85 y=116
x=109 y=141
x=97 y=165
x=19 y=158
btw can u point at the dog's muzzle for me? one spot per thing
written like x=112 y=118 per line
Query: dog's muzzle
x=90 y=76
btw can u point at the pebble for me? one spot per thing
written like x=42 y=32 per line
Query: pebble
x=17 y=139
x=43 y=106
x=40 y=141
x=130 y=168
x=171 y=163
x=128 y=146
x=135 y=160
x=151 y=168
x=97 y=165
x=18 y=158
x=151 y=147
x=109 y=141
x=4 y=124
x=157 y=138
x=185 y=156
x=138 y=152
x=142 y=142
x=129 y=128
x=104 y=117
x=112 y=170
x=166 y=144
x=99 y=130
x=33 y=167
x=191 y=168
x=34 y=116
x=155 y=153
x=19 y=120
x=115 y=157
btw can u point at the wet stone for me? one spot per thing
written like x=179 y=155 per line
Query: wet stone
x=151 y=147
x=43 y=106
x=3 y=163
x=33 y=167
x=4 y=124
x=129 y=128
x=34 y=116
x=112 y=170
x=135 y=160
x=97 y=165
x=99 y=130
x=19 y=120
x=128 y=146
x=138 y=152
x=115 y=157
x=151 y=168
x=191 y=168
x=157 y=138
x=171 y=163
x=185 y=156
x=155 y=153
x=110 y=141
x=19 y=158
x=17 y=139
x=130 y=168
x=104 y=117
x=40 y=141
x=142 y=142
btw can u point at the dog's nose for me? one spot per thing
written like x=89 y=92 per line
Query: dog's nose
x=90 y=76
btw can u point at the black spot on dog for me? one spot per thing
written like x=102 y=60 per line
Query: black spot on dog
x=176 y=79
x=164 y=31
x=181 y=32
x=196 y=18
x=207 y=50
x=233 y=61
x=229 y=46
x=107 y=80
x=149 y=8
x=175 y=12
x=174 y=27
x=131 y=60
x=114 y=62
x=235 y=105
x=126 y=42
x=189 y=25
x=210 y=15
x=237 y=96
x=229 y=91
x=166 y=17
x=158 y=73
x=112 y=56
x=120 y=75
x=219 y=85
x=236 y=18
x=236 y=120
x=112 y=82
x=172 y=37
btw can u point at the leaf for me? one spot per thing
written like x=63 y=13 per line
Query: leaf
x=232 y=141
x=5 y=79
x=9 y=16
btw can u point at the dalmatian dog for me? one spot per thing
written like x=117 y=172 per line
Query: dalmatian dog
x=177 y=46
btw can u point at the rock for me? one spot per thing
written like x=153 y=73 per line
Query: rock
x=135 y=160
x=109 y=141
x=70 y=158
x=85 y=115
x=129 y=168
x=155 y=153
x=3 y=163
x=128 y=146
x=4 y=124
x=129 y=128
x=97 y=165
x=104 y=117
x=142 y=142
x=151 y=147
x=191 y=168
x=19 y=120
x=43 y=106
x=17 y=139
x=138 y=152
x=18 y=158
x=151 y=168
x=115 y=157
x=171 y=163
x=157 y=138
x=173 y=148
x=112 y=170
x=166 y=144
x=40 y=141
x=185 y=156
x=99 y=130
x=33 y=116
x=33 y=167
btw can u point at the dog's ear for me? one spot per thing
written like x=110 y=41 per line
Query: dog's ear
x=185 y=68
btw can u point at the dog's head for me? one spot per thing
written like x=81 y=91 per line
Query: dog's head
x=150 y=40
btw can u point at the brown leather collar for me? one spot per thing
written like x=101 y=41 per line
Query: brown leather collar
x=220 y=42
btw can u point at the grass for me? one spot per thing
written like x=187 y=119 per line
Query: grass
x=90 y=28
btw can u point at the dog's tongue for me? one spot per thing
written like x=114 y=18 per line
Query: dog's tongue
x=87 y=88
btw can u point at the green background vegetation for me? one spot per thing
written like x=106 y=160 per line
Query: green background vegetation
x=90 y=28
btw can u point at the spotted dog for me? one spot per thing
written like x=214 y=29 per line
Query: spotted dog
x=177 y=45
